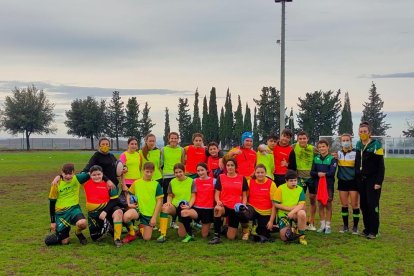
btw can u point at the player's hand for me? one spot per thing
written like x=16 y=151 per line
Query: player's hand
x=102 y=215
x=153 y=222
x=110 y=185
x=183 y=206
x=53 y=226
x=377 y=186
x=335 y=154
x=124 y=187
x=321 y=174
x=284 y=163
x=269 y=225
x=125 y=170
x=291 y=215
x=166 y=205
x=56 y=180
x=237 y=152
x=219 y=203
x=132 y=206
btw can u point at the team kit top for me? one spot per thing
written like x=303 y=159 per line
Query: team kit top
x=147 y=193
x=153 y=156
x=133 y=163
x=288 y=197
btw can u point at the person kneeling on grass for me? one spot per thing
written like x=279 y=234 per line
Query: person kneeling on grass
x=180 y=189
x=290 y=202
x=64 y=207
x=201 y=205
x=149 y=195
x=103 y=205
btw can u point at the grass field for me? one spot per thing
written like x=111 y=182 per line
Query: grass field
x=24 y=221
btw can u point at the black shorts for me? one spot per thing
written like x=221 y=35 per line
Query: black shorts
x=307 y=184
x=233 y=219
x=279 y=179
x=205 y=215
x=347 y=185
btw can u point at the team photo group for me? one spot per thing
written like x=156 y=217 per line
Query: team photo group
x=271 y=192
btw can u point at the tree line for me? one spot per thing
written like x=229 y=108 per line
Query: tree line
x=320 y=113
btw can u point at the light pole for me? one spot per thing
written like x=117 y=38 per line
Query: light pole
x=282 y=67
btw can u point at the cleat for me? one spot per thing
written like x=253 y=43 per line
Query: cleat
x=364 y=233
x=82 y=238
x=129 y=238
x=302 y=240
x=215 y=240
x=188 y=238
x=245 y=236
x=311 y=227
x=355 y=230
x=344 y=229
x=174 y=225
x=371 y=237
x=161 y=239
x=321 y=230
x=328 y=230
x=118 y=243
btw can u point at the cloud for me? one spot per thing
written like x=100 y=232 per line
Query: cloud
x=72 y=92
x=389 y=76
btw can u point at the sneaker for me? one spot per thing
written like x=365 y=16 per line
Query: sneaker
x=161 y=239
x=355 y=230
x=215 y=240
x=124 y=230
x=155 y=228
x=174 y=225
x=198 y=225
x=321 y=230
x=328 y=230
x=118 y=243
x=371 y=236
x=188 y=238
x=311 y=227
x=245 y=236
x=344 y=229
x=129 y=238
x=82 y=238
x=302 y=240
x=364 y=233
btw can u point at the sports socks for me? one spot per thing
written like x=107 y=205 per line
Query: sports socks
x=356 y=215
x=187 y=225
x=117 y=230
x=130 y=227
x=163 y=223
x=217 y=226
x=345 y=215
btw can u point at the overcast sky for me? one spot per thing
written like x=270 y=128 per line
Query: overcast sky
x=161 y=50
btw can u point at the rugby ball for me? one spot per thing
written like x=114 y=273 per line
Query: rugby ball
x=119 y=168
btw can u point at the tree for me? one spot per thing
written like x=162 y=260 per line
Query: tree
x=238 y=122
x=291 y=121
x=256 y=138
x=131 y=126
x=410 y=130
x=211 y=133
x=222 y=126
x=345 y=124
x=196 y=124
x=115 y=118
x=228 y=121
x=167 y=128
x=86 y=119
x=319 y=113
x=27 y=111
x=184 y=121
x=145 y=124
x=204 y=125
x=273 y=111
x=372 y=113
x=247 y=124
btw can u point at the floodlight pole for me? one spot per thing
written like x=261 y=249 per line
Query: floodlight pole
x=282 y=67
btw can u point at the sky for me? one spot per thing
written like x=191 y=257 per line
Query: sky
x=161 y=50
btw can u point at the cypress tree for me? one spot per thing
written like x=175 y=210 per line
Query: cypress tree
x=222 y=127
x=167 y=128
x=372 y=113
x=204 y=125
x=238 y=122
x=196 y=124
x=247 y=124
x=345 y=124
x=145 y=124
x=256 y=138
x=184 y=121
x=228 y=121
x=131 y=126
x=116 y=118
x=213 y=120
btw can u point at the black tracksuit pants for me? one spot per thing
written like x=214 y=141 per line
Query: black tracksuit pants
x=369 y=201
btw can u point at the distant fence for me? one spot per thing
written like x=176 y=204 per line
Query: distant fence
x=53 y=144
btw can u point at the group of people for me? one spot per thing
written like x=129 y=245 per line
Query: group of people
x=264 y=191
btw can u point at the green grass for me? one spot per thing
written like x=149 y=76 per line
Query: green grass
x=24 y=221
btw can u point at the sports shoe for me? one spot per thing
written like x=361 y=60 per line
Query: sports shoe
x=188 y=238
x=118 y=243
x=364 y=233
x=215 y=240
x=174 y=225
x=197 y=225
x=245 y=236
x=124 y=230
x=328 y=230
x=82 y=238
x=302 y=240
x=129 y=238
x=344 y=229
x=321 y=230
x=355 y=230
x=371 y=236
x=161 y=239
x=311 y=227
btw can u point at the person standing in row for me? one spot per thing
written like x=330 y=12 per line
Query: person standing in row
x=194 y=154
x=150 y=153
x=284 y=157
x=132 y=162
x=370 y=170
x=244 y=155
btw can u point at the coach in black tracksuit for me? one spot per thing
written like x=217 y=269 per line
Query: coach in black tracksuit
x=369 y=169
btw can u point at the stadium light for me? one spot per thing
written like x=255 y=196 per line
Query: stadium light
x=282 y=67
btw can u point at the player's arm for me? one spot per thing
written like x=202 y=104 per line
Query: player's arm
x=292 y=161
x=52 y=206
x=217 y=192
x=170 y=194
x=82 y=177
x=91 y=162
x=332 y=168
x=193 y=194
x=159 y=194
x=245 y=189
